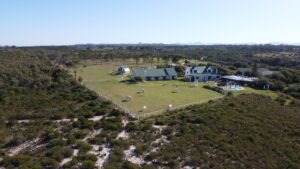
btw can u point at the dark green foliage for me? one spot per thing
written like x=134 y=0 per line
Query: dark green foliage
x=113 y=124
x=49 y=163
x=129 y=165
x=139 y=79
x=32 y=88
x=83 y=147
x=216 y=89
x=140 y=148
x=88 y=164
x=248 y=131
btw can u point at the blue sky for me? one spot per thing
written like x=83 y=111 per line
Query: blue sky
x=65 y=22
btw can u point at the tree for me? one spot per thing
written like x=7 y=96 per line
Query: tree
x=254 y=69
x=80 y=79
x=165 y=59
x=137 y=59
x=75 y=73
x=176 y=58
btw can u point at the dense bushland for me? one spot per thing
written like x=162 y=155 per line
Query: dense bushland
x=247 y=131
x=35 y=91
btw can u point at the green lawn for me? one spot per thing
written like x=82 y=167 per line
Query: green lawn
x=269 y=93
x=158 y=94
x=249 y=90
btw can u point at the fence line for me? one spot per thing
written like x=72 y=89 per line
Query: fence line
x=119 y=106
x=178 y=107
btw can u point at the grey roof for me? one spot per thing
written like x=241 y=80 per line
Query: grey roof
x=155 y=72
x=171 y=71
x=239 y=78
x=139 y=72
x=200 y=69
x=142 y=72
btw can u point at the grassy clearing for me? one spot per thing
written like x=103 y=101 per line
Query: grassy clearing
x=158 y=94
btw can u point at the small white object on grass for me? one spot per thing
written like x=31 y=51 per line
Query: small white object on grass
x=169 y=107
x=128 y=98
x=142 y=90
x=143 y=109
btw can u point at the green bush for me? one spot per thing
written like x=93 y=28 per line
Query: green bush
x=56 y=142
x=88 y=164
x=87 y=156
x=83 y=147
x=49 y=163
x=139 y=79
x=67 y=152
x=214 y=88
x=140 y=148
x=20 y=160
x=56 y=153
x=129 y=165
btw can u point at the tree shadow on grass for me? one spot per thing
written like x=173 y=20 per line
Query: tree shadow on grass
x=129 y=82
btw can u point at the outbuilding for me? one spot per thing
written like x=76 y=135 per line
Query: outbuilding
x=154 y=74
x=123 y=70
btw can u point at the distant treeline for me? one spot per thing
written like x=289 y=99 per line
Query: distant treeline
x=271 y=55
x=283 y=59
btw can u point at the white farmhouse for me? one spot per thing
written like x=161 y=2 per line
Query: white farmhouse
x=123 y=70
x=201 y=73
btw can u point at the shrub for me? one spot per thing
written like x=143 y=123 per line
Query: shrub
x=140 y=79
x=56 y=153
x=140 y=148
x=87 y=156
x=214 y=88
x=71 y=139
x=88 y=164
x=49 y=163
x=20 y=160
x=67 y=152
x=129 y=165
x=80 y=134
x=85 y=123
x=131 y=126
x=116 y=112
x=112 y=124
x=56 y=142
x=83 y=147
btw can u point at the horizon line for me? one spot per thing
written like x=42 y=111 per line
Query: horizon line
x=158 y=43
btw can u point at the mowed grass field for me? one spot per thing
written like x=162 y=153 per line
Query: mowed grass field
x=158 y=94
x=249 y=90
